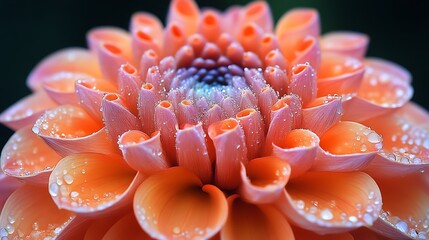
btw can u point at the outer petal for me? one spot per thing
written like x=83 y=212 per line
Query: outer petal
x=7 y=186
x=186 y=13
x=126 y=228
x=321 y=114
x=28 y=157
x=92 y=183
x=347 y=43
x=329 y=202
x=76 y=60
x=24 y=215
x=27 y=110
x=248 y=221
x=175 y=204
x=61 y=86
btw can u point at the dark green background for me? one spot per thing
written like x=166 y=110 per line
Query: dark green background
x=33 y=29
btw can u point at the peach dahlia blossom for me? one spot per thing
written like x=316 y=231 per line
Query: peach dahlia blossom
x=219 y=125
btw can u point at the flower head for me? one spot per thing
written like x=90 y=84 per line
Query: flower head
x=218 y=125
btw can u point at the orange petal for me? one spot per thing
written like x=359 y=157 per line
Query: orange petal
x=175 y=204
x=129 y=84
x=364 y=233
x=298 y=148
x=112 y=36
x=27 y=110
x=331 y=202
x=351 y=44
x=145 y=37
x=303 y=83
x=175 y=37
x=7 y=186
x=97 y=228
x=111 y=57
x=347 y=146
x=275 y=58
x=184 y=56
x=307 y=50
x=405 y=206
x=214 y=114
x=209 y=25
x=192 y=151
x=186 y=13
x=92 y=183
x=235 y=53
x=264 y=179
x=61 y=86
x=126 y=228
x=28 y=157
x=250 y=34
x=301 y=234
x=277 y=78
x=147 y=22
x=75 y=60
x=259 y=12
x=269 y=43
x=248 y=221
x=229 y=143
x=143 y=153
x=24 y=215
x=69 y=129
x=321 y=114
x=254 y=130
x=339 y=74
x=385 y=87
x=405 y=141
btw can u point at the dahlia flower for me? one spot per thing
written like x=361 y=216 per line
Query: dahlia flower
x=220 y=125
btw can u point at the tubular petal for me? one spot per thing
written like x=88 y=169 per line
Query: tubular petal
x=339 y=74
x=129 y=83
x=147 y=22
x=329 y=202
x=24 y=215
x=321 y=114
x=116 y=117
x=267 y=98
x=269 y=43
x=76 y=60
x=110 y=57
x=405 y=141
x=275 y=58
x=112 y=36
x=187 y=112
x=263 y=180
x=166 y=123
x=28 y=157
x=143 y=39
x=247 y=99
x=253 y=222
x=303 y=83
x=27 y=110
x=149 y=59
x=192 y=151
x=235 y=53
x=277 y=78
x=148 y=99
x=184 y=56
x=259 y=12
x=347 y=146
x=298 y=149
x=231 y=151
x=405 y=206
x=61 y=86
x=209 y=25
x=143 y=153
x=69 y=129
x=347 y=43
x=185 y=12
x=251 y=60
x=214 y=114
x=175 y=204
x=254 y=130
x=126 y=228
x=250 y=35
x=174 y=35
x=92 y=183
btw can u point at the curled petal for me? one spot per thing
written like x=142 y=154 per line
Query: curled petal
x=329 y=202
x=147 y=22
x=75 y=60
x=339 y=74
x=129 y=83
x=269 y=43
x=267 y=98
x=174 y=38
x=307 y=50
x=277 y=78
x=214 y=114
x=61 y=87
x=298 y=149
x=166 y=123
x=126 y=228
x=111 y=58
x=251 y=60
x=192 y=152
x=27 y=110
x=149 y=59
x=254 y=130
x=229 y=143
x=69 y=129
x=185 y=12
x=24 y=215
x=303 y=83
x=347 y=43
x=174 y=203
x=248 y=221
x=250 y=34
x=259 y=12
x=347 y=146
x=92 y=183
x=275 y=58
x=143 y=153
x=116 y=117
x=264 y=179
x=187 y=112
x=321 y=114
x=28 y=157
x=147 y=101
x=209 y=25
x=143 y=40
x=112 y=36
x=385 y=87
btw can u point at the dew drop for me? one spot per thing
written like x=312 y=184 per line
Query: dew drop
x=176 y=230
x=402 y=226
x=373 y=137
x=363 y=148
x=53 y=189
x=326 y=214
x=68 y=178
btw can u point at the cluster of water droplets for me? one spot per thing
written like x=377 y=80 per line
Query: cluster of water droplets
x=417 y=229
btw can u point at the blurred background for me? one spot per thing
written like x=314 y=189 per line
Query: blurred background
x=30 y=30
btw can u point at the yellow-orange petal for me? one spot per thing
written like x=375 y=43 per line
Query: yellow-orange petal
x=126 y=227
x=405 y=206
x=321 y=114
x=347 y=146
x=93 y=183
x=27 y=110
x=175 y=204
x=75 y=60
x=28 y=157
x=263 y=180
x=298 y=148
x=25 y=215
x=185 y=12
x=69 y=129
x=331 y=202
x=252 y=222
x=302 y=234
x=352 y=44
x=254 y=130
x=231 y=151
x=61 y=86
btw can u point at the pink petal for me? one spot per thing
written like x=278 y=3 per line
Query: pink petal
x=214 y=114
x=250 y=34
x=111 y=58
x=175 y=202
x=186 y=13
x=149 y=59
x=175 y=37
x=148 y=99
x=184 y=56
x=142 y=40
x=27 y=110
x=7 y=186
x=187 y=112
x=224 y=41
x=143 y=153
x=347 y=43
x=277 y=78
x=129 y=83
x=235 y=53
x=147 y=22
x=321 y=114
x=75 y=60
x=259 y=12
x=303 y=83
x=307 y=50
x=267 y=98
x=269 y=43
x=254 y=130
x=247 y=99
x=61 y=87
x=113 y=36
x=251 y=60
x=166 y=123
x=209 y=25
x=231 y=151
